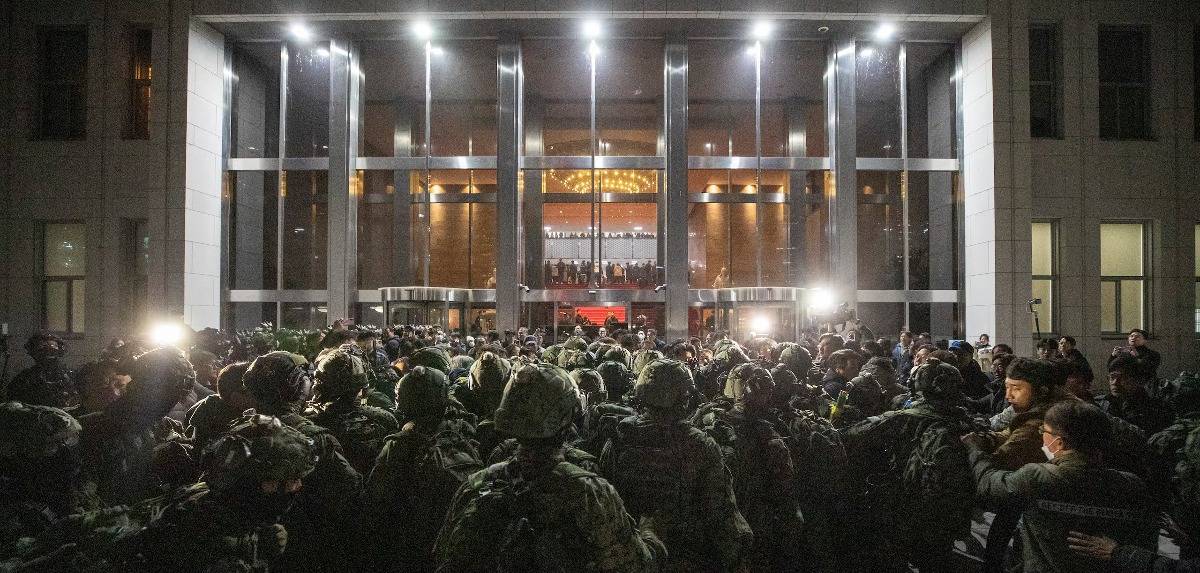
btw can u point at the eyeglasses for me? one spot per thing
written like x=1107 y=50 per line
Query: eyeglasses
x=1045 y=431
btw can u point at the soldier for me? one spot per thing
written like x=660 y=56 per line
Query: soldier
x=47 y=382
x=537 y=509
x=39 y=470
x=212 y=416
x=1130 y=398
x=670 y=471
x=418 y=472
x=758 y=458
x=484 y=386
x=131 y=451
x=913 y=467
x=336 y=405
x=321 y=523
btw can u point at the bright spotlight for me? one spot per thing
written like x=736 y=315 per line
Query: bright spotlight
x=761 y=30
x=300 y=31
x=821 y=300
x=422 y=29
x=760 y=324
x=166 y=334
x=591 y=29
x=885 y=31
x=593 y=49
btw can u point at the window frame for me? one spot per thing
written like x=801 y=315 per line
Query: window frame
x=70 y=281
x=1054 y=83
x=1122 y=330
x=1052 y=277
x=46 y=84
x=137 y=124
x=1147 y=84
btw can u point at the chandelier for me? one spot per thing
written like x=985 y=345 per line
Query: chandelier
x=610 y=180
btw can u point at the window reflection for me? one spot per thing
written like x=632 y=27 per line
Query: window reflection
x=393 y=108
x=931 y=100
x=557 y=84
x=880 y=231
x=305 y=229
x=254 y=228
x=307 y=129
x=255 y=121
x=463 y=89
x=629 y=85
x=793 y=99
x=720 y=98
x=877 y=100
x=377 y=264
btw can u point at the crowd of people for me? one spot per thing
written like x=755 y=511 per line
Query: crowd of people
x=414 y=449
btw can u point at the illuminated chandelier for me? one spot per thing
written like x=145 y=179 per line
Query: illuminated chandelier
x=611 y=181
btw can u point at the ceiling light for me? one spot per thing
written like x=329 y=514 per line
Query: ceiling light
x=885 y=31
x=422 y=29
x=300 y=31
x=591 y=29
x=761 y=30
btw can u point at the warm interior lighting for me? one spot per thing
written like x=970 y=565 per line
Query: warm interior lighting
x=609 y=181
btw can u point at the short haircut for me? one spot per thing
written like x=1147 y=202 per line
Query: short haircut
x=1036 y=372
x=1070 y=340
x=1003 y=360
x=945 y=356
x=1081 y=426
x=1047 y=344
x=904 y=332
x=1127 y=364
x=836 y=341
x=1001 y=348
x=1140 y=331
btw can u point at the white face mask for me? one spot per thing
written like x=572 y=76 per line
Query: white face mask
x=1046 y=450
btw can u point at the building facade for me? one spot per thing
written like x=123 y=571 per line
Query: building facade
x=228 y=164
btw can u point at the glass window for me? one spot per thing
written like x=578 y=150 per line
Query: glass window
x=305 y=315
x=393 y=99
x=932 y=229
x=1125 y=104
x=720 y=98
x=1044 y=104
x=793 y=99
x=62 y=83
x=1122 y=276
x=629 y=91
x=462 y=230
x=255 y=121
x=628 y=249
x=880 y=231
x=557 y=84
x=931 y=100
x=814 y=223
x=305 y=229
x=64 y=266
x=137 y=122
x=939 y=319
x=463 y=88
x=568 y=246
x=877 y=100
x=254 y=230
x=307 y=130
x=885 y=318
x=1044 y=252
x=135 y=259
x=378 y=264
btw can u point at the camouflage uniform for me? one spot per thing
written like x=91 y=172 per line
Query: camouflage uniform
x=47 y=382
x=484 y=385
x=536 y=511
x=670 y=471
x=341 y=377
x=131 y=451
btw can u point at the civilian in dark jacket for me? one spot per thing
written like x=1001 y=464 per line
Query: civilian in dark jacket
x=843 y=366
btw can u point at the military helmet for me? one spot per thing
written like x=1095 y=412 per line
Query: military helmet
x=619 y=354
x=796 y=358
x=550 y=354
x=430 y=357
x=644 y=357
x=664 y=384
x=490 y=371
x=723 y=344
x=936 y=379
x=576 y=343
x=588 y=380
x=571 y=359
x=277 y=376
x=422 y=391
x=257 y=448
x=164 y=365
x=29 y=432
x=618 y=378
x=1184 y=393
x=539 y=402
x=339 y=373
x=749 y=383
x=730 y=356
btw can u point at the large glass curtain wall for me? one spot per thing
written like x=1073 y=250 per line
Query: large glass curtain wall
x=909 y=221
x=757 y=154
x=592 y=155
x=418 y=125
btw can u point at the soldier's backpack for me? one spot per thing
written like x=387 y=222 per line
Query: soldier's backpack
x=1187 y=478
x=936 y=484
x=448 y=460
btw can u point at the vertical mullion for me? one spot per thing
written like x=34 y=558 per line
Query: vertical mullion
x=844 y=210
x=428 y=150
x=758 y=191
x=593 y=230
x=508 y=70
x=675 y=202
x=342 y=288
x=227 y=196
x=281 y=185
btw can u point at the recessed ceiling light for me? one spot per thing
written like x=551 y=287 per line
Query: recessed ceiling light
x=885 y=31
x=591 y=29
x=761 y=30
x=300 y=31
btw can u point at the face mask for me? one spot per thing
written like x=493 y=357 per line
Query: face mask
x=1046 y=450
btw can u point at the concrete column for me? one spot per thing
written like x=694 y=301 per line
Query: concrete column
x=843 y=224
x=342 y=264
x=675 y=248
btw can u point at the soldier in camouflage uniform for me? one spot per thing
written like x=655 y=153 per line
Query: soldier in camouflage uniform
x=131 y=451
x=536 y=511
x=337 y=405
x=417 y=473
x=643 y=357
x=320 y=525
x=47 y=382
x=430 y=357
x=211 y=417
x=670 y=471
x=1175 y=459
x=710 y=378
x=484 y=385
x=757 y=456
x=39 y=471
